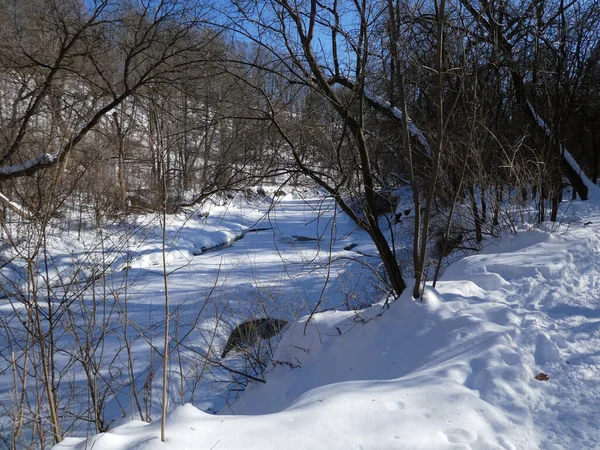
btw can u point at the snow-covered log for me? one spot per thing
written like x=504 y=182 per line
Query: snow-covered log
x=572 y=168
x=383 y=106
x=15 y=207
x=378 y=103
x=40 y=160
x=582 y=184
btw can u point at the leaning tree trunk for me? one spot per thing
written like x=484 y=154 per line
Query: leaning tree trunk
x=569 y=167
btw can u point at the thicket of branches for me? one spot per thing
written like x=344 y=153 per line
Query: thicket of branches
x=480 y=103
x=92 y=94
x=135 y=105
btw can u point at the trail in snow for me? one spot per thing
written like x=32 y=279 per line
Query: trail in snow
x=552 y=288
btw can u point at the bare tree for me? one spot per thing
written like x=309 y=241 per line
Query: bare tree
x=288 y=32
x=58 y=52
x=506 y=29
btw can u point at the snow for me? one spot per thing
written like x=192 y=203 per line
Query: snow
x=386 y=105
x=39 y=159
x=592 y=188
x=414 y=131
x=15 y=206
x=454 y=371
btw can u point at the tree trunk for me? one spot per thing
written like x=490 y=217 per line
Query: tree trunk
x=596 y=146
x=568 y=165
x=121 y=150
x=476 y=216
x=496 y=216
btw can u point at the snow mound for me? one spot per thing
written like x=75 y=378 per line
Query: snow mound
x=419 y=375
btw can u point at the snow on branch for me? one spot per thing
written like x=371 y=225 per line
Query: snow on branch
x=539 y=120
x=380 y=103
x=377 y=102
x=42 y=159
x=571 y=161
x=16 y=208
x=566 y=154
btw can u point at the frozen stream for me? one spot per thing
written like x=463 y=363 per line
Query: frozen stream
x=279 y=270
x=296 y=260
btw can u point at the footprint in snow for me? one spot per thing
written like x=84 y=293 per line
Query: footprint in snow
x=394 y=406
x=546 y=350
x=460 y=436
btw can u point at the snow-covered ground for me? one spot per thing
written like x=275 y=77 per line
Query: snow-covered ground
x=454 y=371
x=251 y=257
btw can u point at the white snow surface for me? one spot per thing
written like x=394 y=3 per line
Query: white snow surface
x=454 y=371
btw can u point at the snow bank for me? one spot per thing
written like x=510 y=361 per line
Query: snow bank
x=428 y=375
